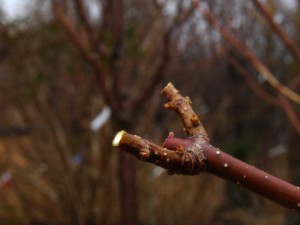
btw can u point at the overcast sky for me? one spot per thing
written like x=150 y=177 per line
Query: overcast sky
x=14 y=9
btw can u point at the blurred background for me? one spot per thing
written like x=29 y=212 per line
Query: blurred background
x=74 y=72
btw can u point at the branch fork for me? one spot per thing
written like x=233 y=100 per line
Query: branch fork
x=180 y=156
x=194 y=155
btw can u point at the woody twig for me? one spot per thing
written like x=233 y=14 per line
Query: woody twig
x=194 y=155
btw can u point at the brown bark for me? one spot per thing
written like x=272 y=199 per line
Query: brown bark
x=195 y=155
x=128 y=189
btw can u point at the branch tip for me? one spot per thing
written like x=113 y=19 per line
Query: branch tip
x=117 y=138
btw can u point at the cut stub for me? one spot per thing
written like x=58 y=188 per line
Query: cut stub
x=187 y=162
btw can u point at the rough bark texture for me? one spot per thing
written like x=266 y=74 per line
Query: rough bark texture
x=182 y=106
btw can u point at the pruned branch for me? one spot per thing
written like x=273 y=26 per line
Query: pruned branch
x=194 y=155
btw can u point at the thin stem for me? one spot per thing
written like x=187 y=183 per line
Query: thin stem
x=182 y=106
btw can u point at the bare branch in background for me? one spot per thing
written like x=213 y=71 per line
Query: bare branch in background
x=286 y=40
x=252 y=59
x=283 y=101
x=81 y=42
x=180 y=19
x=252 y=83
x=291 y=113
x=83 y=16
x=78 y=39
